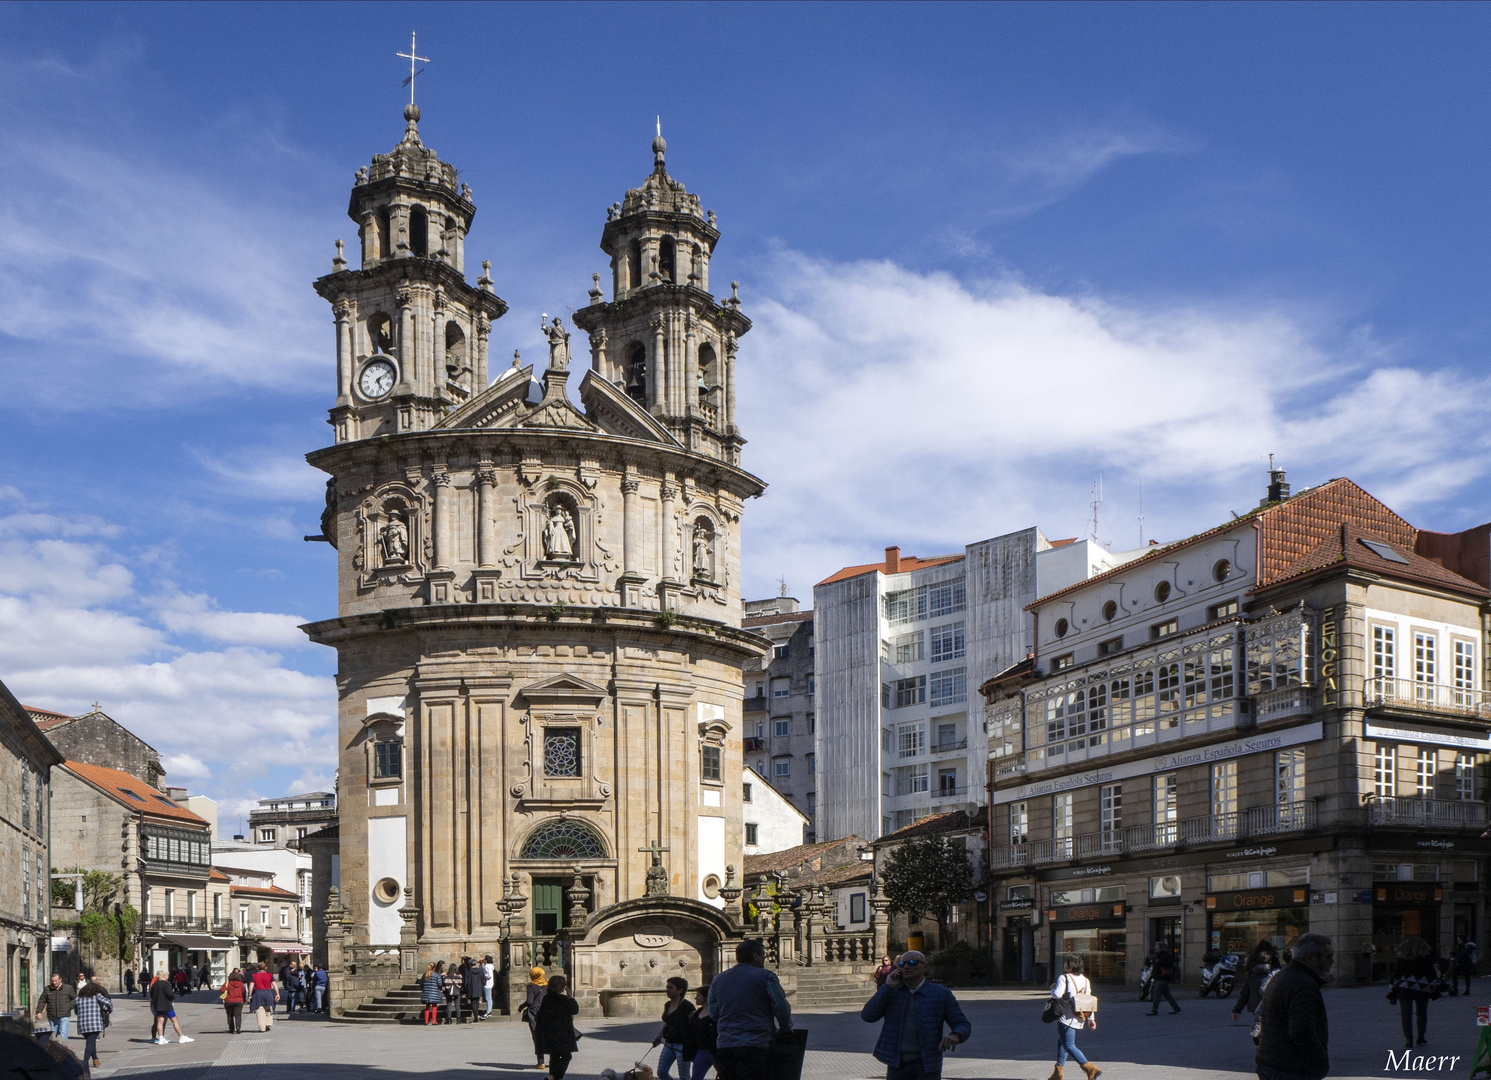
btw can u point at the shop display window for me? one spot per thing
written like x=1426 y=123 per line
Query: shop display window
x=1102 y=951
x=1106 y=893
x=1240 y=931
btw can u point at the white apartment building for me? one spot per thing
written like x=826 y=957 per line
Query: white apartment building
x=899 y=647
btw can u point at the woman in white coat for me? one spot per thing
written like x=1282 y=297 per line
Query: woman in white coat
x=1068 y=1020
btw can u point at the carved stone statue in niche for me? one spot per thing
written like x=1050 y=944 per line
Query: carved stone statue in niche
x=394 y=538
x=703 y=553
x=558 y=346
x=559 y=535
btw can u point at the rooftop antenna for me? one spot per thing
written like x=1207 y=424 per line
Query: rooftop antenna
x=1141 y=513
x=412 y=56
x=782 y=586
x=1097 y=501
x=660 y=126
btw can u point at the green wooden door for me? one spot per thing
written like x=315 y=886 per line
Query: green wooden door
x=548 y=906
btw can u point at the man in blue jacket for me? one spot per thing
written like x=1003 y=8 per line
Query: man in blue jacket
x=914 y=1010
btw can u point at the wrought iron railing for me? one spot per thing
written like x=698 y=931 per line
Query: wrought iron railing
x=949 y=747
x=949 y=791
x=1429 y=696
x=1421 y=813
x=1213 y=828
x=187 y=925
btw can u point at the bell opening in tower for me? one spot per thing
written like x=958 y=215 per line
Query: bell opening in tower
x=634 y=265
x=382 y=227
x=636 y=373
x=667 y=259
x=419 y=232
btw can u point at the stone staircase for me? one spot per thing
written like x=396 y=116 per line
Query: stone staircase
x=825 y=988
x=399 y=1006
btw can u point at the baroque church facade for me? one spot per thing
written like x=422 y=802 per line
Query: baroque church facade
x=538 y=626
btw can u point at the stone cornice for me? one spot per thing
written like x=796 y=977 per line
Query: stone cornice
x=439 y=445
x=685 y=630
x=414 y=268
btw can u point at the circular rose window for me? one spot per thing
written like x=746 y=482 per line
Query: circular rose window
x=386 y=890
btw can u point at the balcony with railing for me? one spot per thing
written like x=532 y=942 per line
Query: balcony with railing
x=1413 y=696
x=950 y=746
x=950 y=791
x=754 y=743
x=1259 y=821
x=1439 y=814
x=182 y=924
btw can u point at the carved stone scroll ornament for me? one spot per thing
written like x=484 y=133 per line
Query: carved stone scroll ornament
x=521 y=786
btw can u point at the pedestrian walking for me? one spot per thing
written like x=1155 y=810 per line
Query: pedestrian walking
x=191 y=975
x=1262 y=962
x=915 y=1011
x=163 y=1008
x=747 y=1003
x=94 y=1007
x=534 y=997
x=677 y=1012
x=234 y=995
x=129 y=982
x=473 y=984
x=882 y=971
x=1462 y=961
x=263 y=997
x=699 y=1046
x=204 y=977
x=56 y=1003
x=1292 y=1042
x=556 y=1025
x=1164 y=974
x=1071 y=1018
x=1415 y=984
x=489 y=982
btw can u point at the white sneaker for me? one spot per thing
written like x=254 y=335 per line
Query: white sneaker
x=162 y=1042
x=187 y=1038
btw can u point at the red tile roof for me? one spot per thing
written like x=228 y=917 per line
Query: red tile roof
x=214 y=874
x=1344 y=548
x=773 y=862
x=132 y=792
x=936 y=823
x=45 y=718
x=1288 y=531
x=269 y=891
x=894 y=563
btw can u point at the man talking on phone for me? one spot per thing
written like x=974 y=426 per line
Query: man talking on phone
x=915 y=1011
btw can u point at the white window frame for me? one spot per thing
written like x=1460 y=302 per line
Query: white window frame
x=1384 y=651
x=1425 y=769
x=949 y=642
x=781 y=728
x=781 y=767
x=1465 y=777
x=911 y=740
x=1166 y=807
x=1385 y=771
x=1061 y=819
x=1110 y=815
x=948 y=687
x=1019 y=823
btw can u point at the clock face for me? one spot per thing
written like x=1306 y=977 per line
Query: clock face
x=377 y=379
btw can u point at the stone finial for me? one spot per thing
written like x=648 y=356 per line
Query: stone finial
x=659 y=147
x=517 y=359
x=411 y=123
x=485 y=281
x=466 y=192
x=339 y=263
x=711 y=219
x=595 y=288
x=735 y=294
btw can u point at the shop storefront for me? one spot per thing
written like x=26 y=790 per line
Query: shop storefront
x=1017 y=954
x=1405 y=909
x=1237 y=921
x=1091 y=923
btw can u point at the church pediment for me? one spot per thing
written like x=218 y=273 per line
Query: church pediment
x=556 y=412
x=617 y=414
x=564 y=689
x=499 y=405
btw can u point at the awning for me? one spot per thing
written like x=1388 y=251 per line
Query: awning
x=277 y=948
x=200 y=942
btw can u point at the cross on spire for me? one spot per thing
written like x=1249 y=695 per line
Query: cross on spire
x=412 y=56
x=655 y=850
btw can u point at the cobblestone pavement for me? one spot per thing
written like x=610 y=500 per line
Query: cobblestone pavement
x=1009 y=1043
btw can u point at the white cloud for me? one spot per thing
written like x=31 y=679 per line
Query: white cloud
x=886 y=406
x=181 y=767
x=267 y=474
x=198 y=614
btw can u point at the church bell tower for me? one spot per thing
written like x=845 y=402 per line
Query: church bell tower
x=411 y=333
x=663 y=338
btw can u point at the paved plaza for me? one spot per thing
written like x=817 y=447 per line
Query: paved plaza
x=1009 y=1043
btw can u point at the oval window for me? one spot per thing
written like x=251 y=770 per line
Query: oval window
x=1061 y=627
x=1162 y=592
x=711 y=886
x=1221 y=570
x=386 y=891
x=1110 y=609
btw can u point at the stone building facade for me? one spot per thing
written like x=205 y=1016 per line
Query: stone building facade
x=780 y=717
x=538 y=628
x=1276 y=726
x=281 y=821
x=27 y=759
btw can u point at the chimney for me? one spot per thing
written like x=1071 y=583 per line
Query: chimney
x=1278 y=488
x=892 y=560
x=177 y=793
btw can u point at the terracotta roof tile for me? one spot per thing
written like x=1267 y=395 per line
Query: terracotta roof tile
x=131 y=792
x=834 y=876
x=272 y=891
x=774 y=862
x=949 y=822
x=45 y=718
x=1344 y=547
x=907 y=564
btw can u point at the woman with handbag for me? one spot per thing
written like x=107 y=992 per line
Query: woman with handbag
x=1415 y=983
x=556 y=1026
x=1075 y=1008
x=537 y=986
x=234 y=996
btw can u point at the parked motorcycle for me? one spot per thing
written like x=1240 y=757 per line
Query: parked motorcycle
x=1146 y=979
x=1219 y=973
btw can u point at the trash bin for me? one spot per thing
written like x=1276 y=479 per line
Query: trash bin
x=1364 y=967
x=784 y=1061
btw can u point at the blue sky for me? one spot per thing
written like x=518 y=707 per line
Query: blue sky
x=991 y=251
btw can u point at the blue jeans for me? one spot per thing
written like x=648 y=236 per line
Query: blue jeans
x=1066 y=1043
x=61 y=1027
x=703 y=1062
x=672 y=1052
x=487 y=996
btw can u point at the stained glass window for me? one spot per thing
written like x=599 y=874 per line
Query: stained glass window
x=561 y=752
x=563 y=840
